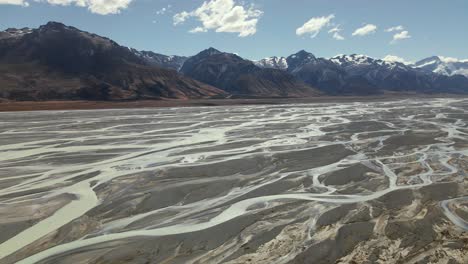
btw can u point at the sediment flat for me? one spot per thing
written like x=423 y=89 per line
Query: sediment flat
x=6 y=105
x=345 y=180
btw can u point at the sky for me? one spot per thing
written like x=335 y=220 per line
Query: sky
x=407 y=30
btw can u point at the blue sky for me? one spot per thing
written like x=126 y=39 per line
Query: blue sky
x=261 y=28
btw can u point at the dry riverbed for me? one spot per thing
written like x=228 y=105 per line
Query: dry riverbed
x=335 y=182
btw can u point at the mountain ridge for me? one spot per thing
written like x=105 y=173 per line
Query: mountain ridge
x=238 y=76
x=343 y=74
x=443 y=65
x=56 y=61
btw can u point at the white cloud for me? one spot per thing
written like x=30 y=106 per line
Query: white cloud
x=102 y=7
x=400 y=36
x=315 y=25
x=198 y=30
x=397 y=28
x=393 y=58
x=336 y=33
x=365 y=30
x=450 y=59
x=223 y=16
x=14 y=2
x=180 y=18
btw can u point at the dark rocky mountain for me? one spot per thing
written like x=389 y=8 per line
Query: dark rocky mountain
x=322 y=73
x=61 y=62
x=160 y=60
x=238 y=76
x=300 y=59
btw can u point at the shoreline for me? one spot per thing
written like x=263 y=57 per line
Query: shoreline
x=23 y=106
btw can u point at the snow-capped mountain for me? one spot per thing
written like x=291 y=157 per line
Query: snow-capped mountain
x=383 y=74
x=360 y=74
x=164 y=61
x=317 y=72
x=299 y=59
x=353 y=59
x=363 y=60
x=242 y=77
x=274 y=62
x=368 y=67
x=443 y=65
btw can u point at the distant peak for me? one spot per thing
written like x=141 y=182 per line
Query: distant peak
x=301 y=57
x=16 y=33
x=209 y=52
x=353 y=59
x=53 y=24
x=304 y=53
x=440 y=60
x=211 y=49
x=429 y=60
x=338 y=56
x=437 y=58
x=18 y=30
x=274 y=62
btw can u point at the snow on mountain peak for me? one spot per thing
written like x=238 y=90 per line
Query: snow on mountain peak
x=352 y=59
x=273 y=62
x=448 y=59
x=443 y=65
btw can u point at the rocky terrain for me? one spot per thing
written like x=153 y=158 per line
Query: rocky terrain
x=362 y=75
x=274 y=62
x=160 y=60
x=365 y=182
x=61 y=62
x=242 y=77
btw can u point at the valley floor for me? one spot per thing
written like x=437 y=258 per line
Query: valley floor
x=337 y=182
x=6 y=106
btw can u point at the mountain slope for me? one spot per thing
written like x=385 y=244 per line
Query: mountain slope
x=242 y=77
x=384 y=75
x=329 y=77
x=444 y=66
x=362 y=75
x=160 y=60
x=278 y=63
x=399 y=77
x=61 y=62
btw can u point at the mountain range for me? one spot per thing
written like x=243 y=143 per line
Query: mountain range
x=56 y=61
x=360 y=74
x=238 y=76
